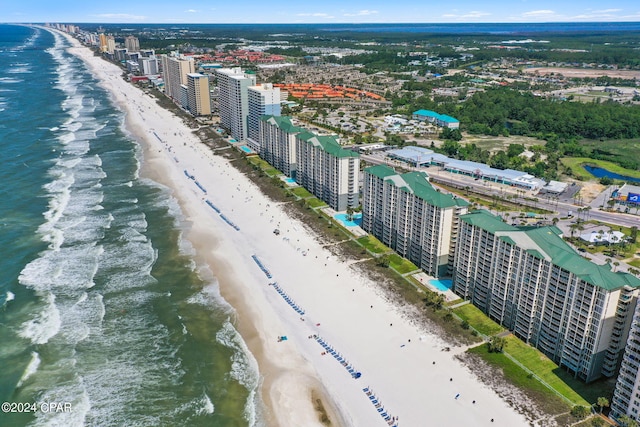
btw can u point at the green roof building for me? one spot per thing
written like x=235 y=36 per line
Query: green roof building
x=407 y=214
x=532 y=282
x=327 y=170
x=278 y=143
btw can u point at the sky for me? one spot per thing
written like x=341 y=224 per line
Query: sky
x=325 y=11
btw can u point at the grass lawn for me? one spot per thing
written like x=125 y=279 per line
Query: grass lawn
x=401 y=265
x=478 y=320
x=373 y=245
x=546 y=369
x=635 y=263
x=301 y=192
x=576 y=165
x=315 y=202
x=263 y=165
x=615 y=149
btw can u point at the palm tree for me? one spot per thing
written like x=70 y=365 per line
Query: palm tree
x=602 y=403
x=627 y=421
x=573 y=228
x=350 y=213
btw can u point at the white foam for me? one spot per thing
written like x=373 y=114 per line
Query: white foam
x=10 y=297
x=31 y=368
x=206 y=405
x=10 y=80
x=45 y=325
x=244 y=367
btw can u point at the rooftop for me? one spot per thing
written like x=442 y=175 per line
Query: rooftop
x=326 y=143
x=417 y=183
x=546 y=243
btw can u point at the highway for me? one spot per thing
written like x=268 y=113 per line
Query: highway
x=562 y=208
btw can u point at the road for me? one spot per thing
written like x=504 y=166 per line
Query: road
x=518 y=196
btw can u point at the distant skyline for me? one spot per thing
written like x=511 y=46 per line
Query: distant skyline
x=328 y=11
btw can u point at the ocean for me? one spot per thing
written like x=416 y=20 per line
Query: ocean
x=102 y=306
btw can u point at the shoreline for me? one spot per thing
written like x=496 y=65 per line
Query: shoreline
x=208 y=254
x=400 y=361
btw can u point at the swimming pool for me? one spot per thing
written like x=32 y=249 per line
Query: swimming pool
x=357 y=220
x=441 y=285
x=232 y=140
x=246 y=149
x=290 y=180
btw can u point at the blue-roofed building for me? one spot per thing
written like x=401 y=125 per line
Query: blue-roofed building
x=423 y=157
x=441 y=120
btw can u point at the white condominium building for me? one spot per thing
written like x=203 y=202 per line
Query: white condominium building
x=175 y=69
x=626 y=398
x=407 y=214
x=278 y=143
x=532 y=282
x=148 y=65
x=327 y=170
x=263 y=99
x=233 y=99
x=198 y=95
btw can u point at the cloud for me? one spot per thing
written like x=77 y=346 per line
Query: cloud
x=472 y=14
x=123 y=16
x=364 y=12
x=191 y=11
x=316 y=15
x=599 y=14
x=536 y=13
x=475 y=14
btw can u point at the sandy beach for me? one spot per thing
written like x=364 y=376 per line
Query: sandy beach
x=412 y=379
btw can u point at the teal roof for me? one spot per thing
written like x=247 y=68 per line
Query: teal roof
x=427 y=113
x=381 y=171
x=417 y=183
x=547 y=243
x=326 y=143
x=447 y=119
x=282 y=122
x=487 y=221
x=566 y=257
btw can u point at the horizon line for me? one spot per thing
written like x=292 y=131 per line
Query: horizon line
x=319 y=23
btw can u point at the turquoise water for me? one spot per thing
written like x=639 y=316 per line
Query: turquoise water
x=232 y=140
x=442 y=285
x=290 y=180
x=246 y=149
x=101 y=302
x=357 y=219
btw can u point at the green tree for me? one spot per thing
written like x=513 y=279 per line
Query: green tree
x=350 y=212
x=451 y=148
x=603 y=402
x=496 y=344
x=580 y=411
x=627 y=421
x=383 y=261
